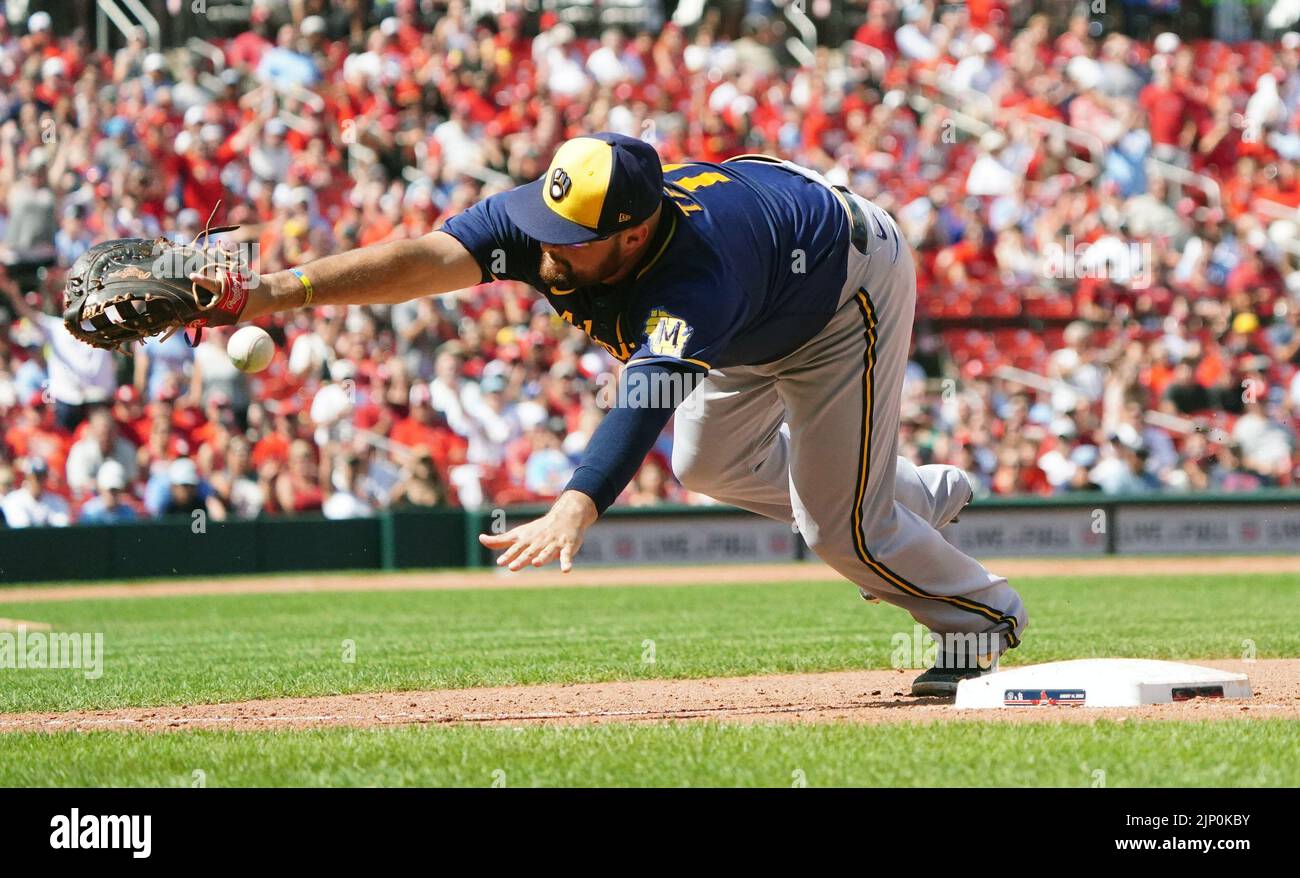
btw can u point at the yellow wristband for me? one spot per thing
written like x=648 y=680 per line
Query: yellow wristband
x=306 y=284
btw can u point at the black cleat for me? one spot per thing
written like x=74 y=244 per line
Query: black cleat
x=949 y=670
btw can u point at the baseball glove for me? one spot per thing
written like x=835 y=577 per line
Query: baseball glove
x=129 y=289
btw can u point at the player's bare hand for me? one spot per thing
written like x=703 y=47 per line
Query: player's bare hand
x=557 y=534
x=258 y=297
x=208 y=282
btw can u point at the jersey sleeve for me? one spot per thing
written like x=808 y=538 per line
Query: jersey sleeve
x=625 y=436
x=689 y=324
x=501 y=249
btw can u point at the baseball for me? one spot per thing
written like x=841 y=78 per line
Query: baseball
x=251 y=349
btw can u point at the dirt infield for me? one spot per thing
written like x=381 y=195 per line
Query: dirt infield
x=869 y=697
x=552 y=578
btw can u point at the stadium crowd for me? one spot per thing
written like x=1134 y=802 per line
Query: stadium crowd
x=1106 y=233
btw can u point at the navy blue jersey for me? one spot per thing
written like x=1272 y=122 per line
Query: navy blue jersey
x=746 y=265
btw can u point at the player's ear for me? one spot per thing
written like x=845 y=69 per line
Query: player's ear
x=639 y=234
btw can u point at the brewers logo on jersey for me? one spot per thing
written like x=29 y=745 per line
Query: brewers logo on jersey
x=667 y=334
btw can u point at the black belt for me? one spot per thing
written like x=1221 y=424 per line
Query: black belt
x=859 y=231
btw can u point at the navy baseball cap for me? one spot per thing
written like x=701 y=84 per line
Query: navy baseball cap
x=597 y=185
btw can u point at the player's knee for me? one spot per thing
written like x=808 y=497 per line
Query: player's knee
x=697 y=470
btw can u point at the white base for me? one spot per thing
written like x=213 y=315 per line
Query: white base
x=1100 y=683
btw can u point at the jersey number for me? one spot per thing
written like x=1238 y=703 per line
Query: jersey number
x=690 y=184
x=699 y=181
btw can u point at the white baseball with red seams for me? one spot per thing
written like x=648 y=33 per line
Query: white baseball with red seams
x=251 y=349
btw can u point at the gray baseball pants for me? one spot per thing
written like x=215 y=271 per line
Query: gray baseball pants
x=812 y=439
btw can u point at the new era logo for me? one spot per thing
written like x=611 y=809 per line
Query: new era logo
x=624 y=217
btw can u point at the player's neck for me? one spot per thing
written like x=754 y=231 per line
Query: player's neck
x=637 y=256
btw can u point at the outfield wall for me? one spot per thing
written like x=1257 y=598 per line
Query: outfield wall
x=1259 y=523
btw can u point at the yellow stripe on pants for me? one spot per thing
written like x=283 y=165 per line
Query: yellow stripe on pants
x=859 y=542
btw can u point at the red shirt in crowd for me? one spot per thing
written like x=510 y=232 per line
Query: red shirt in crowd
x=272 y=446
x=1166 y=113
x=444 y=446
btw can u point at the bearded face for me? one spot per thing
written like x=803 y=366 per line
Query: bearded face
x=570 y=267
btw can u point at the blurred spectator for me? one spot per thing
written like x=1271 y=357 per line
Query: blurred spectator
x=1121 y=470
x=1231 y=474
x=650 y=485
x=236 y=484
x=494 y=423
x=548 y=468
x=1185 y=394
x=345 y=499
x=298 y=487
x=76 y=375
x=100 y=442
x=111 y=504
x=1266 y=445
x=165 y=366
x=178 y=490
x=31 y=206
x=420 y=484
x=330 y=130
x=32 y=503
x=422 y=427
x=217 y=374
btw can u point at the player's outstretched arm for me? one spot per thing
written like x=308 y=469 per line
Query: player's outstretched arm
x=611 y=458
x=386 y=273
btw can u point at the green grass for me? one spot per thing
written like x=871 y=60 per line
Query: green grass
x=673 y=755
x=231 y=647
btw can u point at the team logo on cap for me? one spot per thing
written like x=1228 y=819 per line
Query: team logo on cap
x=560 y=184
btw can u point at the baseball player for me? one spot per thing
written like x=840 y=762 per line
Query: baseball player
x=786 y=300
